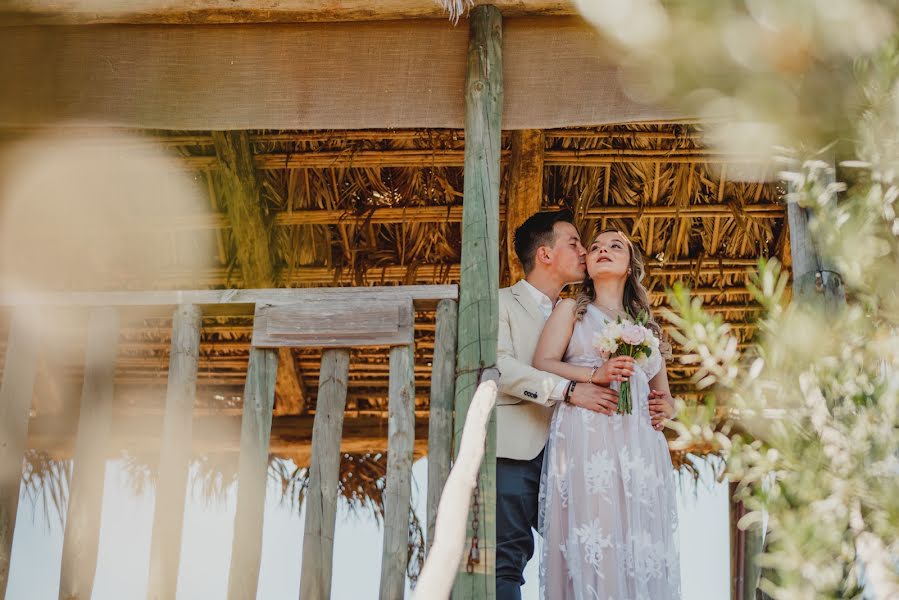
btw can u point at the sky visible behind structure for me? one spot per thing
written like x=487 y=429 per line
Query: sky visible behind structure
x=206 y=547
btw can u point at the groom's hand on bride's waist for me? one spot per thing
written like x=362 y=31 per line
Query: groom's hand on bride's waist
x=594 y=397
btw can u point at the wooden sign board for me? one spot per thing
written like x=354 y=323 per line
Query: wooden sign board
x=334 y=323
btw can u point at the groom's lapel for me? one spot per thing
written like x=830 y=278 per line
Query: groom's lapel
x=521 y=293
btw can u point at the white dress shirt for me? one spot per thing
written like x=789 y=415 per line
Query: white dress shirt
x=546 y=307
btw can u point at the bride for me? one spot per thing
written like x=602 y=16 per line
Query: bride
x=608 y=514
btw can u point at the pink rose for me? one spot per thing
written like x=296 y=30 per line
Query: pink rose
x=633 y=334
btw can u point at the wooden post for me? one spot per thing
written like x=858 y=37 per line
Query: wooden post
x=82 y=533
x=525 y=195
x=324 y=472
x=440 y=415
x=737 y=544
x=815 y=278
x=168 y=518
x=15 y=401
x=255 y=432
x=398 y=493
x=479 y=285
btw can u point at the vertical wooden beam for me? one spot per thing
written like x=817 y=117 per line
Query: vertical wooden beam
x=815 y=278
x=440 y=415
x=252 y=234
x=255 y=434
x=398 y=492
x=324 y=472
x=525 y=195
x=82 y=533
x=16 y=391
x=168 y=518
x=737 y=544
x=479 y=285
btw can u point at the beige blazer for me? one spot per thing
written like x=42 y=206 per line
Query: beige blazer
x=523 y=407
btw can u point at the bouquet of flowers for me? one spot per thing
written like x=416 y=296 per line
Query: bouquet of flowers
x=627 y=338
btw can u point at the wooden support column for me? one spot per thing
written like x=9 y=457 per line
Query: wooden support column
x=324 y=471
x=737 y=545
x=440 y=415
x=815 y=278
x=252 y=234
x=525 y=195
x=398 y=492
x=16 y=391
x=479 y=285
x=177 y=434
x=255 y=433
x=82 y=533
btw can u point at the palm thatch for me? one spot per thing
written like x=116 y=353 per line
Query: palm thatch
x=384 y=207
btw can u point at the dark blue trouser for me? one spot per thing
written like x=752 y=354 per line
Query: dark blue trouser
x=517 y=488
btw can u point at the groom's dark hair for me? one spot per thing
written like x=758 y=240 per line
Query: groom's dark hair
x=537 y=231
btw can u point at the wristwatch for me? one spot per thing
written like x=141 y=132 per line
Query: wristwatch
x=568 y=391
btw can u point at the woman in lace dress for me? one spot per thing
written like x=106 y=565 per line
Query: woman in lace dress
x=608 y=513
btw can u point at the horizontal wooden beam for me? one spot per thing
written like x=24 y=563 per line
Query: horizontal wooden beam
x=79 y=12
x=421 y=274
x=453 y=214
x=73 y=75
x=210 y=297
x=132 y=137
x=452 y=157
x=142 y=432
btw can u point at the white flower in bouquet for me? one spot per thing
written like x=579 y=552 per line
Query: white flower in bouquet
x=605 y=345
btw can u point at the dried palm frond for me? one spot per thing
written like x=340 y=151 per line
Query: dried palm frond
x=45 y=484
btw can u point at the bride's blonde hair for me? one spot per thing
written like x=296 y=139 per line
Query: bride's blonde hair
x=636 y=298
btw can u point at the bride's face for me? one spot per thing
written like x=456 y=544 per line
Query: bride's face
x=608 y=256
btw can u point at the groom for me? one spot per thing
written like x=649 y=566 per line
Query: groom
x=550 y=250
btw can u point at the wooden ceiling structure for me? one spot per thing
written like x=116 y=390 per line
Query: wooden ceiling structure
x=348 y=171
x=383 y=207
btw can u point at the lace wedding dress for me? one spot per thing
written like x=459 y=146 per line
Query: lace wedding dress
x=608 y=513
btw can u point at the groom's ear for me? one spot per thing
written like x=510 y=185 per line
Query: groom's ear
x=544 y=256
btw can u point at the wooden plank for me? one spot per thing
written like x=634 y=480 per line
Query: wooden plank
x=479 y=287
x=398 y=491
x=251 y=11
x=525 y=193
x=82 y=532
x=255 y=433
x=440 y=418
x=334 y=324
x=16 y=391
x=418 y=293
x=321 y=497
x=177 y=430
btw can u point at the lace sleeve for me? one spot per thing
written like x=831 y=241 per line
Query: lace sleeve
x=653 y=364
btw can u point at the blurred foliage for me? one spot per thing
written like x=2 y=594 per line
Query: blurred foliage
x=807 y=418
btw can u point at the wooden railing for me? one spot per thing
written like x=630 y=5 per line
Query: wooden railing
x=335 y=319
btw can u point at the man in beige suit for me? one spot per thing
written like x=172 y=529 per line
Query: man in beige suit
x=550 y=250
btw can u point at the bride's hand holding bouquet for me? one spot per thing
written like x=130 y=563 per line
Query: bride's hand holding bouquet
x=625 y=339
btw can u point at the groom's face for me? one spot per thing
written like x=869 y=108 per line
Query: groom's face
x=568 y=255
